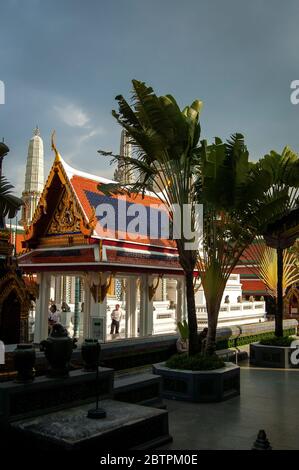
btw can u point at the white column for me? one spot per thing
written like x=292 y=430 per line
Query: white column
x=146 y=306
x=131 y=307
x=93 y=308
x=42 y=307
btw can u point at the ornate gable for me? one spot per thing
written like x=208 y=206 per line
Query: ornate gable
x=58 y=212
x=66 y=219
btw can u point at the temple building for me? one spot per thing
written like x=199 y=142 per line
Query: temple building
x=68 y=237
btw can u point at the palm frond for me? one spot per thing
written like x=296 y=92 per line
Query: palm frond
x=9 y=204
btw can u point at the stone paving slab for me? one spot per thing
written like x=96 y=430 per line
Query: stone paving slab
x=268 y=400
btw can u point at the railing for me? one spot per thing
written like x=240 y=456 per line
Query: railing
x=243 y=311
x=164 y=318
x=235 y=307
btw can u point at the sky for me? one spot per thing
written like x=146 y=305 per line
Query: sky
x=63 y=62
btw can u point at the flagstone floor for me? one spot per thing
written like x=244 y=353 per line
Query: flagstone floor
x=269 y=400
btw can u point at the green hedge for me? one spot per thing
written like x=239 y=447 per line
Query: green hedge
x=242 y=340
x=285 y=341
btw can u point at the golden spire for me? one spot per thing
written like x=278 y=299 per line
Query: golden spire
x=53 y=145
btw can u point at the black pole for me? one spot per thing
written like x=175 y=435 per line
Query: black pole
x=279 y=303
x=97 y=413
x=97 y=388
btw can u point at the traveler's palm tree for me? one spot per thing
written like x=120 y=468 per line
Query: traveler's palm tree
x=165 y=139
x=233 y=191
x=262 y=261
x=282 y=231
x=237 y=206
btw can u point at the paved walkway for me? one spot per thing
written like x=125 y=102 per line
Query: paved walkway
x=269 y=400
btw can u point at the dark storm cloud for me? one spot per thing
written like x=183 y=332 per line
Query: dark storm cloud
x=64 y=61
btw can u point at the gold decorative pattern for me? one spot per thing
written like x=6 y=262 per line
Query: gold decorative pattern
x=65 y=218
x=152 y=288
x=99 y=292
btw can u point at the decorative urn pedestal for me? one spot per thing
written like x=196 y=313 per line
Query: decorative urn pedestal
x=90 y=351
x=58 y=348
x=24 y=360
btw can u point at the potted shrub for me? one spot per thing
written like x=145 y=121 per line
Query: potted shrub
x=198 y=378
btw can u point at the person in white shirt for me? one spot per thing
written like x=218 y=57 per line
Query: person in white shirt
x=53 y=317
x=116 y=317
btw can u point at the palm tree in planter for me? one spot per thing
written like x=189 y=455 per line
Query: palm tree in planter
x=232 y=191
x=169 y=160
x=165 y=139
x=282 y=231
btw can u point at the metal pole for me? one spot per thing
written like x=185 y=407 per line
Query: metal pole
x=97 y=413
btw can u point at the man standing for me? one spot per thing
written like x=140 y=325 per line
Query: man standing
x=116 y=316
x=53 y=317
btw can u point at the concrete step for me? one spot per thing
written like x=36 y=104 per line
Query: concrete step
x=143 y=389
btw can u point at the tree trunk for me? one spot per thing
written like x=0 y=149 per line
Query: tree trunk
x=212 y=329
x=76 y=310
x=192 y=320
x=279 y=303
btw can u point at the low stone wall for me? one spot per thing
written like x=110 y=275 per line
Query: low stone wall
x=125 y=354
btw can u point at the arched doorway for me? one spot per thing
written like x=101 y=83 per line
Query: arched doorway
x=291 y=302
x=10 y=319
x=15 y=302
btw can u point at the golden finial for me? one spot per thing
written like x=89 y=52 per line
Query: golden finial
x=53 y=145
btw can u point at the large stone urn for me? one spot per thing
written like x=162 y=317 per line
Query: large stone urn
x=90 y=351
x=24 y=360
x=58 y=348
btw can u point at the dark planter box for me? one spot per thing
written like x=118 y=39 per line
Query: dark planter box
x=199 y=386
x=271 y=356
